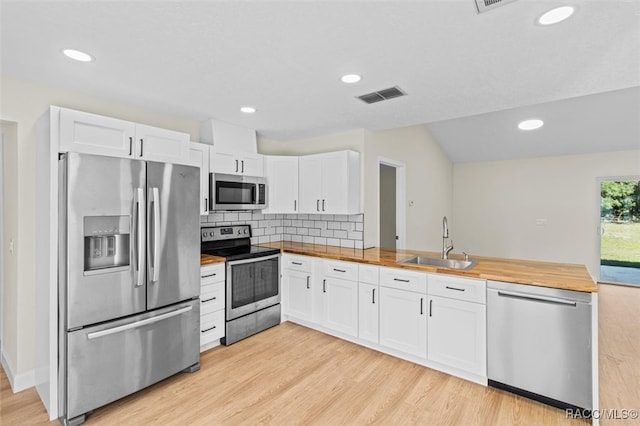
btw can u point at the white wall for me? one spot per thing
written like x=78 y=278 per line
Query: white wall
x=428 y=174
x=496 y=206
x=429 y=182
x=24 y=102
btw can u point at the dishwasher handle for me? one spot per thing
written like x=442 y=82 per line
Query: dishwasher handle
x=536 y=298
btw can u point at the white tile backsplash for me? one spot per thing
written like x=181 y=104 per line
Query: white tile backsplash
x=336 y=230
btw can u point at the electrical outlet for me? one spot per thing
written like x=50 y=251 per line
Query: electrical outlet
x=10 y=245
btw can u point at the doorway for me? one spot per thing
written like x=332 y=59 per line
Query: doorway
x=391 y=212
x=620 y=230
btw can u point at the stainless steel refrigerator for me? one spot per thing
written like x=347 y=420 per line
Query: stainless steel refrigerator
x=129 y=278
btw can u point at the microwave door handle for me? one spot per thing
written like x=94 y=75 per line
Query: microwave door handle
x=254 y=194
x=156 y=234
x=139 y=234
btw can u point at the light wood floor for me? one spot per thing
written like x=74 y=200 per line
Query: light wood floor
x=293 y=375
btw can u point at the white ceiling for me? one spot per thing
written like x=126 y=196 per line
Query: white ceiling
x=206 y=59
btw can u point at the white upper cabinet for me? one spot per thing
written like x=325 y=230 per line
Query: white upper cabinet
x=162 y=145
x=330 y=183
x=199 y=156
x=282 y=184
x=99 y=135
x=95 y=134
x=236 y=163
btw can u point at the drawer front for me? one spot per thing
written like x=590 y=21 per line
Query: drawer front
x=459 y=288
x=368 y=274
x=297 y=263
x=343 y=270
x=403 y=279
x=212 y=297
x=211 y=327
x=212 y=273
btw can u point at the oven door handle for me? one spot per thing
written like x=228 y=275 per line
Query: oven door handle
x=253 y=259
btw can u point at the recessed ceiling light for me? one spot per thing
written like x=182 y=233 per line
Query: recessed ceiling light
x=556 y=15
x=350 y=78
x=248 y=109
x=530 y=124
x=78 y=55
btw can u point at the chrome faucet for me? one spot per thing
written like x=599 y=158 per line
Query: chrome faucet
x=445 y=236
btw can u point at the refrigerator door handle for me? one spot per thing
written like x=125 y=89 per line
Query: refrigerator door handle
x=137 y=324
x=139 y=233
x=156 y=234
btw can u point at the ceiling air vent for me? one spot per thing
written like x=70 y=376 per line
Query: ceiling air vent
x=486 y=5
x=382 y=95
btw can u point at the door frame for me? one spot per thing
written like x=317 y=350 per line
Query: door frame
x=401 y=195
x=599 y=181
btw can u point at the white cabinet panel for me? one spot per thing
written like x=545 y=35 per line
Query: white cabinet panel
x=403 y=279
x=339 y=269
x=98 y=135
x=330 y=183
x=457 y=334
x=368 y=274
x=212 y=305
x=341 y=305
x=368 y=312
x=403 y=321
x=282 y=184
x=236 y=163
x=166 y=146
x=95 y=134
x=455 y=287
x=199 y=156
x=297 y=294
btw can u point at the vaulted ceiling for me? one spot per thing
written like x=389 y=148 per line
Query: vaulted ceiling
x=469 y=77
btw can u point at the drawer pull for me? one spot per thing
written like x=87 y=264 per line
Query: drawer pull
x=297 y=263
x=398 y=279
x=339 y=270
x=455 y=288
x=207 y=276
x=209 y=300
x=208 y=329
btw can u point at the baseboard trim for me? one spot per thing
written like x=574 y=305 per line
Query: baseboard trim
x=18 y=382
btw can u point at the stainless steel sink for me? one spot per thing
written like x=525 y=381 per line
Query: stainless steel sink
x=441 y=263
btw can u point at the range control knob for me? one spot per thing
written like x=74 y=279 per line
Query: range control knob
x=246 y=231
x=211 y=234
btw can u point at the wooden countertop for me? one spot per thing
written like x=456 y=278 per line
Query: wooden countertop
x=563 y=276
x=207 y=259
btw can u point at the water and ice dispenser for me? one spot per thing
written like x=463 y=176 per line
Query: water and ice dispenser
x=106 y=244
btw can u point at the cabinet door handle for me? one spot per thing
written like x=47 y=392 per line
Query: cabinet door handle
x=317 y=205
x=430 y=307
x=295 y=205
x=324 y=286
x=242 y=162
x=421 y=306
x=209 y=300
x=297 y=263
x=236 y=166
x=206 y=204
x=398 y=279
x=322 y=205
x=339 y=270
x=141 y=146
x=130 y=145
x=455 y=288
x=208 y=329
x=373 y=296
x=308 y=277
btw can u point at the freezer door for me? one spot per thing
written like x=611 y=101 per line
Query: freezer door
x=173 y=228
x=104 y=259
x=111 y=360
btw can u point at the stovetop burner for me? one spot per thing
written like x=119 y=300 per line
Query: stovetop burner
x=231 y=242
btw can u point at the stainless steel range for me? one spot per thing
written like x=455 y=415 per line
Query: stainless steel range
x=253 y=280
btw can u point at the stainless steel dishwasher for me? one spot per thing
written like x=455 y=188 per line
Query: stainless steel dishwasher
x=539 y=343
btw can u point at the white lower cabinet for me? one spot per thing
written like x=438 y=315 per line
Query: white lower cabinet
x=403 y=321
x=341 y=305
x=212 y=304
x=457 y=331
x=368 y=312
x=297 y=287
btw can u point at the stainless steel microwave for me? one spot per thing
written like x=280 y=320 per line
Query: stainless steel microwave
x=232 y=192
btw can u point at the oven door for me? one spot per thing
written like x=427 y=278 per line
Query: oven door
x=252 y=285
